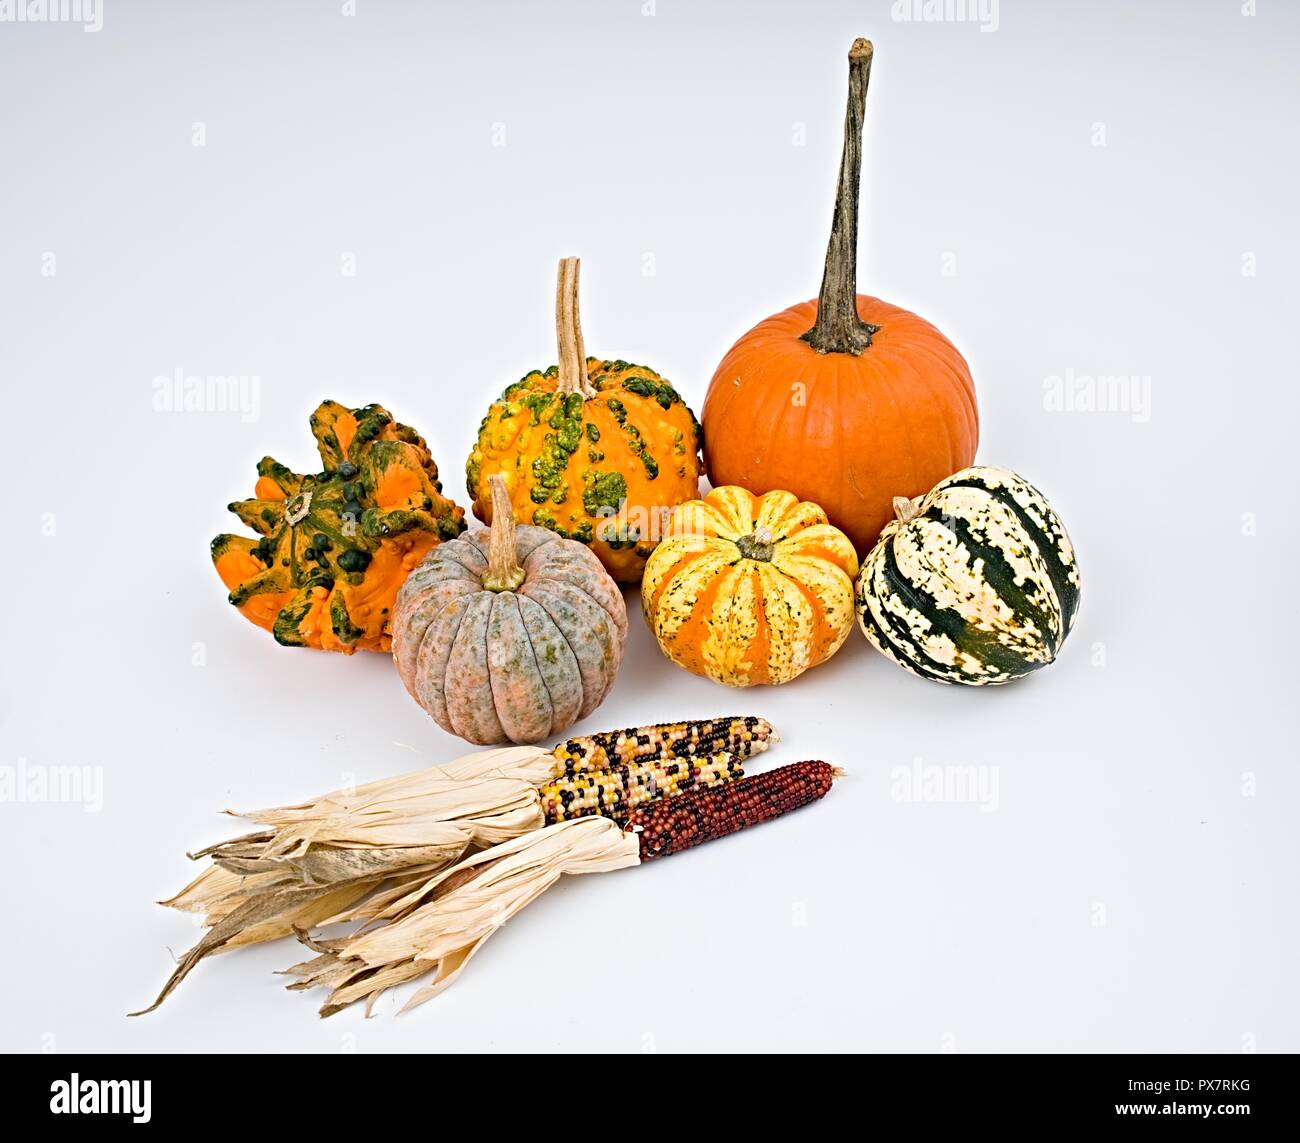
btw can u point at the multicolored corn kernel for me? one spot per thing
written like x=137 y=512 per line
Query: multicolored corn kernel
x=617 y=791
x=703 y=814
x=740 y=735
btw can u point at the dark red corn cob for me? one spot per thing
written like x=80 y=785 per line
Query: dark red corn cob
x=704 y=813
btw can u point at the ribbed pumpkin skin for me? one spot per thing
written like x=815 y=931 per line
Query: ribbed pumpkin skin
x=741 y=621
x=570 y=464
x=509 y=666
x=379 y=507
x=980 y=586
x=849 y=433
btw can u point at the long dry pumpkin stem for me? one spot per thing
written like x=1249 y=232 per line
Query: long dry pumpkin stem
x=503 y=570
x=839 y=329
x=568 y=332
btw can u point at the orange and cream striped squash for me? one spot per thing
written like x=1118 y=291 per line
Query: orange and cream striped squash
x=748 y=589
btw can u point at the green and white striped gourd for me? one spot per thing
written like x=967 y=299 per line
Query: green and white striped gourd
x=975 y=582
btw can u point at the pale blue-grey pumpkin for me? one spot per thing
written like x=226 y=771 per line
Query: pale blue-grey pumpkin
x=510 y=634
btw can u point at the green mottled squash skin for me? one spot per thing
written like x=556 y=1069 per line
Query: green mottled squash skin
x=601 y=470
x=334 y=546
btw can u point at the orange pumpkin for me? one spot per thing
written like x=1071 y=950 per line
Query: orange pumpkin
x=847 y=400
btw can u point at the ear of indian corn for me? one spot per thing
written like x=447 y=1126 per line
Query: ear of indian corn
x=740 y=735
x=437 y=927
x=617 y=791
x=331 y=855
x=705 y=813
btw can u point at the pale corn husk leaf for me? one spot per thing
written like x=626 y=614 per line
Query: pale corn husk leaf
x=283 y=912
x=409 y=816
x=220 y=889
x=350 y=981
x=403 y=893
x=433 y=828
x=274 y=913
x=529 y=764
x=216 y=891
x=439 y=925
x=310 y=912
x=327 y=856
x=277 y=906
x=328 y=865
x=495 y=790
x=248 y=843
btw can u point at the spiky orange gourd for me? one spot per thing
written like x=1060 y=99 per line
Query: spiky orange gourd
x=848 y=400
x=597 y=451
x=335 y=546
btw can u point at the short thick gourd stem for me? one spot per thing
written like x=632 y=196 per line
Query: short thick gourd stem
x=568 y=332
x=503 y=570
x=758 y=545
x=839 y=329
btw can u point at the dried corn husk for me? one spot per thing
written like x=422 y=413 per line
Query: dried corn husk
x=437 y=926
x=326 y=855
x=324 y=859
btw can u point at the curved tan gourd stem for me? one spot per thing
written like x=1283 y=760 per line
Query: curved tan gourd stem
x=503 y=570
x=907 y=508
x=839 y=329
x=568 y=332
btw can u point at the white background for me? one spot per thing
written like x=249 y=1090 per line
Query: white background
x=1135 y=887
